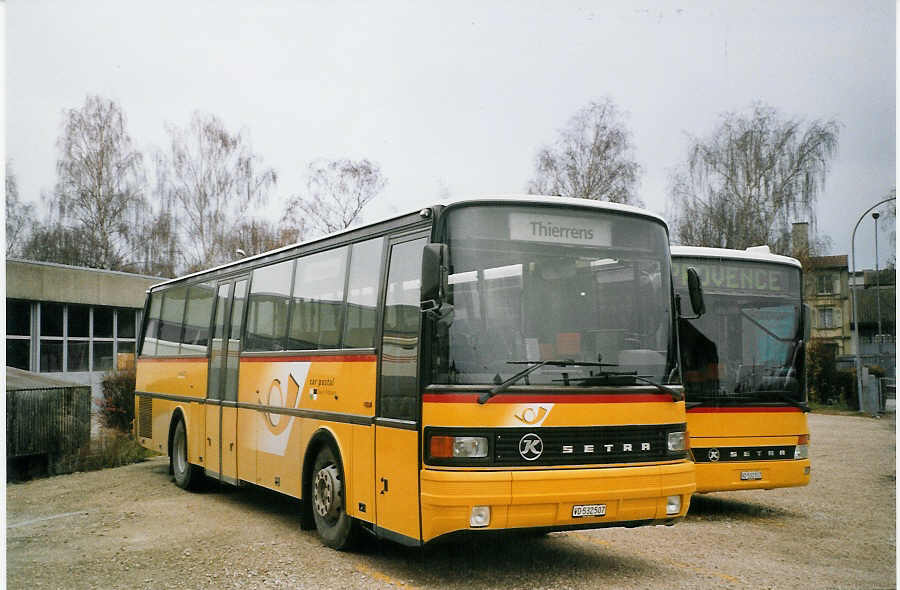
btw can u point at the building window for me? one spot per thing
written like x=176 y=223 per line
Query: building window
x=826 y=284
x=69 y=337
x=18 y=334
x=829 y=318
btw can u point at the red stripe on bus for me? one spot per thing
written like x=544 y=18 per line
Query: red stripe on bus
x=468 y=398
x=173 y=359
x=742 y=410
x=345 y=358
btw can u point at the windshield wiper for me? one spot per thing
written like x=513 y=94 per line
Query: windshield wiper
x=784 y=397
x=676 y=395
x=535 y=365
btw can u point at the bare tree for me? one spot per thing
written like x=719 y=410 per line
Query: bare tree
x=212 y=176
x=100 y=181
x=592 y=158
x=19 y=215
x=336 y=193
x=744 y=184
x=255 y=236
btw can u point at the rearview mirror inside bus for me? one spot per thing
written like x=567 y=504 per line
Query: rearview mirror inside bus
x=695 y=290
x=434 y=276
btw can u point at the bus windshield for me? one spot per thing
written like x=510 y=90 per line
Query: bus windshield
x=747 y=347
x=530 y=284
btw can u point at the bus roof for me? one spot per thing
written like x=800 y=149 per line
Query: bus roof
x=755 y=253
x=510 y=199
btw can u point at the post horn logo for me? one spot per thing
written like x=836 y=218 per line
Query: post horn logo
x=532 y=415
x=277 y=423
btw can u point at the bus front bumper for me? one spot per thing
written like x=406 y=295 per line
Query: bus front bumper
x=545 y=498
x=750 y=475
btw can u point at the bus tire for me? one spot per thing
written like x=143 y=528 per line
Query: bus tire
x=327 y=494
x=187 y=476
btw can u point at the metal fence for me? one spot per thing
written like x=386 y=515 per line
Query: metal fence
x=47 y=421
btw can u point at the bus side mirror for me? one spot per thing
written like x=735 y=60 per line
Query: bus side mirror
x=695 y=290
x=434 y=276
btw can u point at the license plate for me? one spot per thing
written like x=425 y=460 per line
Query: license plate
x=750 y=475
x=588 y=510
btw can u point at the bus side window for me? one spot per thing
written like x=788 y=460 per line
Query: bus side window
x=171 y=322
x=148 y=346
x=400 y=340
x=196 y=319
x=317 y=305
x=362 y=294
x=268 y=313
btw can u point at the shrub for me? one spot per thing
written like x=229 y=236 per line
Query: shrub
x=828 y=385
x=117 y=405
x=112 y=449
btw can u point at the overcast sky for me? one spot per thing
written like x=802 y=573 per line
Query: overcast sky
x=456 y=97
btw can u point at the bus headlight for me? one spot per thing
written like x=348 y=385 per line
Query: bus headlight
x=480 y=516
x=450 y=447
x=676 y=441
x=801 y=451
x=673 y=505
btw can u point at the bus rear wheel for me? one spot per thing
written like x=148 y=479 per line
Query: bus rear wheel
x=187 y=476
x=328 y=498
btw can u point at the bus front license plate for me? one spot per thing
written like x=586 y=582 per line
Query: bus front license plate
x=588 y=510
x=750 y=475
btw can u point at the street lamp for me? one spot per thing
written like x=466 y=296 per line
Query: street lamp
x=875 y=216
x=858 y=363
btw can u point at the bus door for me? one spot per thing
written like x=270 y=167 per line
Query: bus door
x=397 y=416
x=222 y=388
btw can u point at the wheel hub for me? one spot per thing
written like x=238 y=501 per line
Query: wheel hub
x=327 y=492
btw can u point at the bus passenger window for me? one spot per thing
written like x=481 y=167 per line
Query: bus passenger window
x=317 y=307
x=148 y=347
x=171 y=321
x=196 y=319
x=362 y=294
x=267 y=316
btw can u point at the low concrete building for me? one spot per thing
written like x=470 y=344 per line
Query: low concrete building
x=71 y=322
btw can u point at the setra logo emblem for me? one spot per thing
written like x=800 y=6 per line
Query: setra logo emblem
x=531 y=446
x=713 y=455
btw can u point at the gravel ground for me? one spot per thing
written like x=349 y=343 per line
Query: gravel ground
x=132 y=528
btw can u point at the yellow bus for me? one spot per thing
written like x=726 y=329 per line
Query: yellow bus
x=494 y=363
x=743 y=365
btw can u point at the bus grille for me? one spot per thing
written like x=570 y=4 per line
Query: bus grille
x=145 y=417
x=586 y=445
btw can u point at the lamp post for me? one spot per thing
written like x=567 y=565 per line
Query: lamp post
x=858 y=362
x=875 y=216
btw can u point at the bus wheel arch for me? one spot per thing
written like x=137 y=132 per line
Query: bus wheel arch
x=187 y=475
x=177 y=415
x=324 y=492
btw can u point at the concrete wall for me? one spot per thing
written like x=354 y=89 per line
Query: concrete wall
x=43 y=281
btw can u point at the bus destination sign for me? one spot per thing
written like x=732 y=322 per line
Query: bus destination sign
x=718 y=276
x=535 y=227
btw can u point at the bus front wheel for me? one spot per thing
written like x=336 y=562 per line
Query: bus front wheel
x=187 y=476
x=328 y=495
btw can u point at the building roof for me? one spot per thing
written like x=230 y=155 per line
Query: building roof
x=868 y=304
x=19 y=379
x=838 y=261
x=46 y=281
